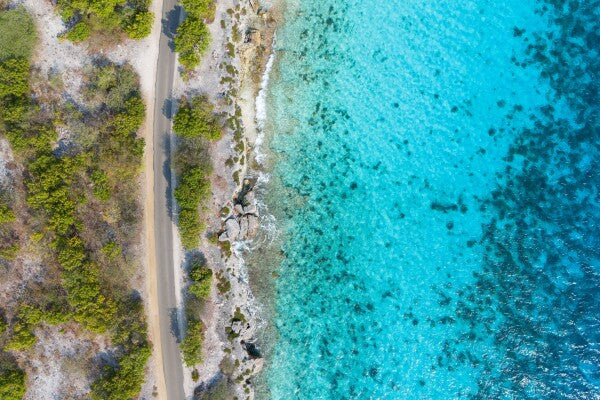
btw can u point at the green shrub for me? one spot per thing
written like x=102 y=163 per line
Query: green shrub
x=125 y=380
x=191 y=346
x=3 y=325
x=192 y=41
x=201 y=277
x=195 y=375
x=107 y=15
x=201 y=9
x=6 y=215
x=191 y=153
x=14 y=78
x=12 y=384
x=140 y=25
x=101 y=188
x=196 y=118
x=79 y=33
x=111 y=250
x=17 y=34
x=9 y=253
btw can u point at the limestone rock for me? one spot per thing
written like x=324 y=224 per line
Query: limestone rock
x=238 y=209
x=249 y=198
x=232 y=227
x=253 y=225
x=250 y=209
x=259 y=363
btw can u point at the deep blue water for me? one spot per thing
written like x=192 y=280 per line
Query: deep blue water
x=434 y=178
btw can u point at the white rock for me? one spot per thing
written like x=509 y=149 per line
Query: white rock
x=244 y=228
x=250 y=209
x=223 y=237
x=238 y=209
x=249 y=197
x=258 y=365
x=233 y=229
x=253 y=225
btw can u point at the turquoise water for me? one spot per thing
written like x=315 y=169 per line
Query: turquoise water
x=433 y=176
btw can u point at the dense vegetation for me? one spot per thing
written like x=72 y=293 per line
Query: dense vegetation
x=17 y=31
x=194 y=123
x=108 y=16
x=82 y=209
x=12 y=383
x=17 y=40
x=193 y=37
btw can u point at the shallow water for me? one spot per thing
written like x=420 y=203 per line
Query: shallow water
x=434 y=185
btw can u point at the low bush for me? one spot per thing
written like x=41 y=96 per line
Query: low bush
x=110 y=16
x=101 y=188
x=125 y=380
x=191 y=153
x=201 y=9
x=14 y=79
x=6 y=215
x=12 y=384
x=17 y=34
x=56 y=188
x=10 y=252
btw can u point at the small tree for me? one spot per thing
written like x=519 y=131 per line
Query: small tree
x=191 y=42
x=191 y=347
x=201 y=277
x=80 y=32
x=12 y=384
x=140 y=25
x=196 y=118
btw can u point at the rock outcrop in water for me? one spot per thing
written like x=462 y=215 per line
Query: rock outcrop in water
x=243 y=224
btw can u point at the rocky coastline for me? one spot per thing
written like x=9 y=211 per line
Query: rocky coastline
x=232 y=316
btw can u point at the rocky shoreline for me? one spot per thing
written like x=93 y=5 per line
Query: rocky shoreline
x=232 y=316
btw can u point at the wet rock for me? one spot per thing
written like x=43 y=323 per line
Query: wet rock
x=232 y=227
x=253 y=225
x=251 y=349
x=252 y=36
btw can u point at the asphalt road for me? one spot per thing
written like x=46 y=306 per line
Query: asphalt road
x=163 y=228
